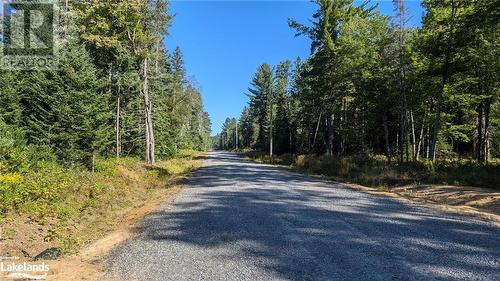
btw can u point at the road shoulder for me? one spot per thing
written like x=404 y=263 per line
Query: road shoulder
x=481 y=203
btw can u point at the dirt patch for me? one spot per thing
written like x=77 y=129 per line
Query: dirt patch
x=482 y=203
x=480 y=198
x=470 y=199
x=134 y=193
x=21 y=237
x=87 y=264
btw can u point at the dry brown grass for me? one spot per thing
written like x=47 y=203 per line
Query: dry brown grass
x=448 y=183
x=95 y=205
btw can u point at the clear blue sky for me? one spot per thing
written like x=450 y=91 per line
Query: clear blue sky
x=224 y=42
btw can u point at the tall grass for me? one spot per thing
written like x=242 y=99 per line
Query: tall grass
x=70 y=205
x=375 y=170
x=44 y=187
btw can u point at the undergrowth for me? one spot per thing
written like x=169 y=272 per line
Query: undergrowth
x=71 y=204
x=375 y=170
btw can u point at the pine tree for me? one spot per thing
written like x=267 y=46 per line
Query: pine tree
x=282 y=122
x=67 y=108
x=10 y=108
x=260 y=104
x=247 y=128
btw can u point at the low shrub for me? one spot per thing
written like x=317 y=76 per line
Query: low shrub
x=375 y=170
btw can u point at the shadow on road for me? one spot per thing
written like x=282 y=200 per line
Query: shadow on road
x=300 y=228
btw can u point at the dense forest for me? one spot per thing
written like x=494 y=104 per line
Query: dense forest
x=374 y=85
x=117 y=92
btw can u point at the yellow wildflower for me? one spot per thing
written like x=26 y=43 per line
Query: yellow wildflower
x=11 y=178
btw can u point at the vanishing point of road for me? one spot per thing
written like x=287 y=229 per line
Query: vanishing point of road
x=238 y=220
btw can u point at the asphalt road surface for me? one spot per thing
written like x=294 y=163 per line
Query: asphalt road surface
x=238 y=220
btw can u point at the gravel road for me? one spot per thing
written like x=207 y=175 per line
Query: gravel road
x=238 y=220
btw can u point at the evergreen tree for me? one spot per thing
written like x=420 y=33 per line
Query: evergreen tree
x=66 y=109
x=282 y=122
x=247 y=128
x=260 y=104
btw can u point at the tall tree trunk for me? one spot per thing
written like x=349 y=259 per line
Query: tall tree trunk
x=398 y=146
x=402 y=115
x=363 y=144
x=148 y=112
x=330 y=134
x=317 y=129
x=420 y=141
x=479 y=138
x=445 y=78
x=407 y=139
x=428 y=143
x=401 y=136
x=117 y=124
x=290 y=130
x=486 y=136
x=386 y=137
x=271 y=132
x=402 y=142
x=413 y=136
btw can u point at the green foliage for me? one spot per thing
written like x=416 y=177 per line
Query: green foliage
x=10 y=109
x=92 y=106
x=180 y=119
x=56 y=126
x=66 y=109
x=71 y=137
x=71 y=205
x=374 y=170
x=374 y=86
x=282 y=123
x=42 y=183
x=261 y=103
